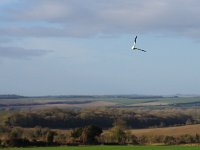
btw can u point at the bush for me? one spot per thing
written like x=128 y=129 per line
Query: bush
x=170 y=140
x=87 y=135
x=185 y=139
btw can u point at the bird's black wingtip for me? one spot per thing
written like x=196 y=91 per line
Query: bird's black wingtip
x=135 y=38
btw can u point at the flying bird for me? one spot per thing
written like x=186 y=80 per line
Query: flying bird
x=134 y=46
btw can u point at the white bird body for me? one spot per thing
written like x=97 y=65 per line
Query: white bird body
x=134 y=46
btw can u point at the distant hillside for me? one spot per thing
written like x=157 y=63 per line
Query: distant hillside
x=12 y=96
x=135 y=96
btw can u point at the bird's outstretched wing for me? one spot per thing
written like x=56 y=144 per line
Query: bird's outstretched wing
x=135 y=39
x=140 y=49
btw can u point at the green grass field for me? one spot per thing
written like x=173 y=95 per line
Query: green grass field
x=112 y=148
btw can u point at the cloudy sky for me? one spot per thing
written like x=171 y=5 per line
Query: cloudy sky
x=61 y=47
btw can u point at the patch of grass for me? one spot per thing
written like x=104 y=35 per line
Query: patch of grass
x=111 y=148
x=127 y=101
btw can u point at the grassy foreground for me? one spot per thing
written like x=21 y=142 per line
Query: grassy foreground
x=112 y=148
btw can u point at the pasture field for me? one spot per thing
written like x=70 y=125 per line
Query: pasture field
x=111 y=148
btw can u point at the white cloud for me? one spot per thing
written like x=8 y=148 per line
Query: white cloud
x=92 y=17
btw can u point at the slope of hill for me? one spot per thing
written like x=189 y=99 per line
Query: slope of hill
x=124 y=101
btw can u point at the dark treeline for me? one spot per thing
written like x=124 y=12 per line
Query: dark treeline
x=104 y=118
x=88 y=135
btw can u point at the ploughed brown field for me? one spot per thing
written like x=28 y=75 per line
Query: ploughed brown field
x=169 y=131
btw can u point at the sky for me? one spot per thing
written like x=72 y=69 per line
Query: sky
x=76 y=47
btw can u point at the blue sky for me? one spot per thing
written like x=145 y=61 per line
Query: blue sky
x=63 y=47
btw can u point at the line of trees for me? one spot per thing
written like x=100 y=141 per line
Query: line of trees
x=17 y=137
x=88 y=135
x=104 y=118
